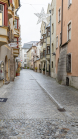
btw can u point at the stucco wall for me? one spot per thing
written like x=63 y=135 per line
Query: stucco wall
x=53 y=39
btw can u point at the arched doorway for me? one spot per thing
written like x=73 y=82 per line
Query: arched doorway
x=6 y=68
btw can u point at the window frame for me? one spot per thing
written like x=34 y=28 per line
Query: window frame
x=56 y=42
x=71 y=63
x=69 y=3
x=69 y=39
x=52 y=28
x=15 y=24
x=59 y=15
x=52 y=64
x=2 y=15
x=60 y=38
x=48 y=50
x=52 y=11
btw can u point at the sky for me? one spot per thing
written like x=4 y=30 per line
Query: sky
x=30 y=30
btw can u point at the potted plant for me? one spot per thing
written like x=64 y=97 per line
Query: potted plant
x=36 y=69
x=40 y=70
x=43 y=70
x=18 y=72
x=47 y=73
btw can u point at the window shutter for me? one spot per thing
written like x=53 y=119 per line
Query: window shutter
x=68 y=63
x=60 y=14
x=70 y=1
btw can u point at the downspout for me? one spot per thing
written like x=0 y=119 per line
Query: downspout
x=50 y=42
x=62 y=24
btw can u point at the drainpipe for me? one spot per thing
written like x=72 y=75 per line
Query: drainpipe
x=46 y=46
x=62 y=24
x=50 y=42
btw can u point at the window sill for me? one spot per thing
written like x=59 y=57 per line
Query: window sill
x=59 y=22
x=69 y=40
x=48 y=54
x=69 y=6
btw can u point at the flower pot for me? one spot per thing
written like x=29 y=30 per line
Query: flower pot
x=40 y=71
x=47 y=73
x=44 y=72
x=17 y=74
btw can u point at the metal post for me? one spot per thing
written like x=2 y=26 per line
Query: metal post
x=50 y=42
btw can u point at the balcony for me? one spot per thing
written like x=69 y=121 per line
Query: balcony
x=10 y=12
x=3 y=35
x=15 y=52
x=48 y=41
x=48 y=56
x=48 y=53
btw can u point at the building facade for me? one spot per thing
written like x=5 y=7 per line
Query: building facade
x=67 y=66
x=25 y=48
x=9 y=38
x=59 y=42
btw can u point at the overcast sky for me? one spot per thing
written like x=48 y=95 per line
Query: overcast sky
x=30 y=31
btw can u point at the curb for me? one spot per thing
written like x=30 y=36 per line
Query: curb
x=59 y=107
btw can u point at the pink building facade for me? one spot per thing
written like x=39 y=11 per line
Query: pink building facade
x=67 y=42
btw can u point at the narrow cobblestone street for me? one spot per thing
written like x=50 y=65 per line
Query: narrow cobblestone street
x=29 y=113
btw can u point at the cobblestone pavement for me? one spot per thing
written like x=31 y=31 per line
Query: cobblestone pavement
x=65 y=95
x=30 y=114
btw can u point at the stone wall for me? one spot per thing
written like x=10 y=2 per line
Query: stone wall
x=73 y=81
x=61 y=74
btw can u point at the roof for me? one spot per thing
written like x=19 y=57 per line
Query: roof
x=29 y=44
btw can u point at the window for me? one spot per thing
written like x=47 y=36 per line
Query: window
x=48 y=32
x=52 y=28
x=59 y=15
x=48 y=49
x=57 y=42
x=44 y=53
x=24 y=55
x=24 y=60
x=44 y=39
x=52 y=48
x=69 y=31
x=69 y=3
x=60 y=38
x=52 y=64
x=52 y=11
x=1 y=15
x=25 y=50
x=15 y=23
x=68 y=63
x=24 y=65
